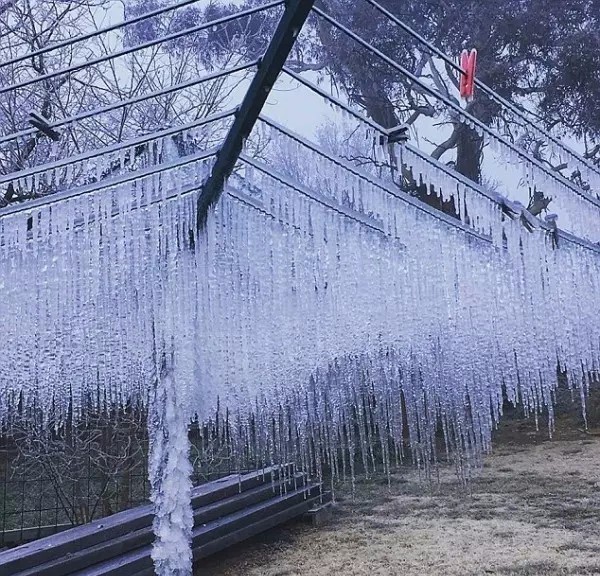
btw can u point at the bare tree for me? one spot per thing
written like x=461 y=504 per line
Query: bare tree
x=95 y=467
x=33 y=25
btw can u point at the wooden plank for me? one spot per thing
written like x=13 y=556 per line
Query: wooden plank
x=139 y=560
x=222 y=508
x=237 y=519
x=71 y=541
x=21 y=535
x=116 y=546
x=237 y=536
x=241 y=483
x=83 y=559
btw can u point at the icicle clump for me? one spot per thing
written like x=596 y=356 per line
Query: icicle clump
x=330 y=323
x=108 y=162
x=170 y=476
x=557 y=151
x=98 y=293
x=578 y=209
x=349 y=314
x=80 y=292
x=476 y=207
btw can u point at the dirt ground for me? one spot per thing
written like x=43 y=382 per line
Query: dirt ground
x=534 y=510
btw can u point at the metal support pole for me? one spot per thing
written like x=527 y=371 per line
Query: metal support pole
x=284 y=38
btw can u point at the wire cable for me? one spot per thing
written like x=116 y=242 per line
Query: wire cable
x=460 y=178
x=363 y=219
x=134 y=100
x=93 y=34
x=487 y=89
x=407 y=198
x=137 y=47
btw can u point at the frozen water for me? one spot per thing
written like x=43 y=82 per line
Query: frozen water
x=283 y=299
x=170 y=475
x=103 y=284
x=578 y=209
x=333 y=322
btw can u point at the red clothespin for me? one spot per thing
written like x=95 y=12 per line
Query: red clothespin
x=468 y=63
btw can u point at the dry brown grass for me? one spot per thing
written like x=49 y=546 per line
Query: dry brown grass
x=534 y=509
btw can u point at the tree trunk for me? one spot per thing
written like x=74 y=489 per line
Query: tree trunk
x=468 y=153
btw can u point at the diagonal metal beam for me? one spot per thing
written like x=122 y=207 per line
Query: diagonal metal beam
x=284 y=38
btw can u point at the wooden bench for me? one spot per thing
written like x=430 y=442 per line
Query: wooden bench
x=226 y=512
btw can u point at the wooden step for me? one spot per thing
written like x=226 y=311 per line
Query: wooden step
x=114 y=547
x=205 y=550
x=34 y=554
x=262 y=514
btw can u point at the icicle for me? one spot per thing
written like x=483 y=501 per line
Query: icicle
x=28 y=184
x=36 y=183
x=170 y=475
x=321 y=337
x=122 y=156
x=131 y=156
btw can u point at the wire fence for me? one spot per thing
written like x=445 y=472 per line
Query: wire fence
x=71 y=475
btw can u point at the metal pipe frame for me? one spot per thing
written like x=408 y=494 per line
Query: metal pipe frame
x=293 y=19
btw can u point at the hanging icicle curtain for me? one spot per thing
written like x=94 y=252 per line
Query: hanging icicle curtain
x=579 y=209
x=291 y=303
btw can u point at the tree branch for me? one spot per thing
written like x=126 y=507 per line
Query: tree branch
x=299 y=66
x=451 y=74
x=6 y=6
x=437 y=80
x=447 y=145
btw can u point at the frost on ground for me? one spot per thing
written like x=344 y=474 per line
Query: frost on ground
x=533 y=511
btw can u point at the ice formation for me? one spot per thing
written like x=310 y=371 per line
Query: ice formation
x=170 y=474
x=506 y=164
x=334 y=322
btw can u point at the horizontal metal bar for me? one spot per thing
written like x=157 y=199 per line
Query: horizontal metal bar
x=100 y=31
x=114 y=147
x=135 y=100
x=135 y=48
